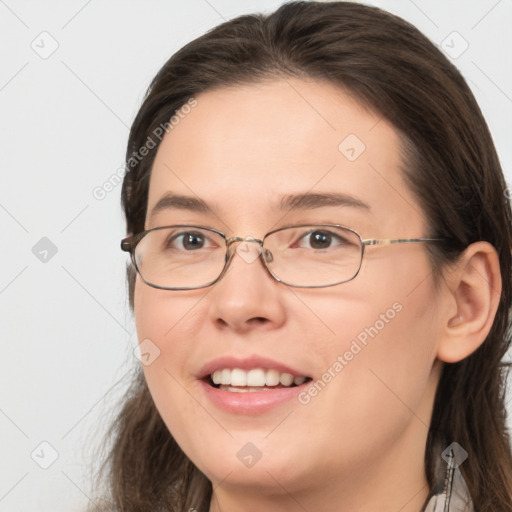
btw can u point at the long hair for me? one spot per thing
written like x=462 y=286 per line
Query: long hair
x=451 y=167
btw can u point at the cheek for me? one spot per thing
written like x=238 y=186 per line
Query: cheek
x=163 y=326
x=170 y=322
x=375 y=367
x=163 y=315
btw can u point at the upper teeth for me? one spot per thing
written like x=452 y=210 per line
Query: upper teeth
x=256 y=377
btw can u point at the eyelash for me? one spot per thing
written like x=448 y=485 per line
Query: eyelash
x=296 y=243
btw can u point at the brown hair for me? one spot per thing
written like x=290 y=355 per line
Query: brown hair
x=452 y=167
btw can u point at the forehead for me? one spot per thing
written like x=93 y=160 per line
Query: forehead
x=243 y=148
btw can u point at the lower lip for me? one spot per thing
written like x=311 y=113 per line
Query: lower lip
x=250 y=402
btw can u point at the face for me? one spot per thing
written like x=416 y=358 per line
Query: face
x=367 y=347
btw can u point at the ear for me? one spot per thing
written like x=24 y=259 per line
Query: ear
x=472 y=296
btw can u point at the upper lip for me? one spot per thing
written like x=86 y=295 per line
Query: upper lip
x=247 y=363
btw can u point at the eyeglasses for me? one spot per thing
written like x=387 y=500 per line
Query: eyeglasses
x=187 y=257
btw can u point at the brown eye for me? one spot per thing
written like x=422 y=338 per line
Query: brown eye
x=192 y=241
x=188 y=241
x=320 y=239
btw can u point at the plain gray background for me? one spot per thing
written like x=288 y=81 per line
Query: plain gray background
x=72 y=77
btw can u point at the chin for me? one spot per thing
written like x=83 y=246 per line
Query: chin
x=244 y=463
x=261 y=476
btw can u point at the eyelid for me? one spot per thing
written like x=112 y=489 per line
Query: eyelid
x=321 y=229
x=179 y=232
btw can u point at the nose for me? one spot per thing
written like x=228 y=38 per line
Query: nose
x=247 y=297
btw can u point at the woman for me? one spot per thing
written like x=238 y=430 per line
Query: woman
x=320 y=276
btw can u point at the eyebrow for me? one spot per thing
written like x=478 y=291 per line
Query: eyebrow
x=304 y=201
x=308 y=201
x=171 y=201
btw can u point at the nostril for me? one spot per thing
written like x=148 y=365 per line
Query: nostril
x=258 y=320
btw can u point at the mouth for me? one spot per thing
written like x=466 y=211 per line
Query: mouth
x=238 y=380
x=250 y=385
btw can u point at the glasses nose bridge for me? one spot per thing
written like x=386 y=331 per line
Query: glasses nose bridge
x=233 y=239
x=230 y=253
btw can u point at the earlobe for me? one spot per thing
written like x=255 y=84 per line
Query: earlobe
x=474 y=286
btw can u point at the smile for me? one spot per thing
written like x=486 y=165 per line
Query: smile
x=250 y=385
x=238 y=380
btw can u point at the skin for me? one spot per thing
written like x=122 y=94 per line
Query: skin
x=360 y=443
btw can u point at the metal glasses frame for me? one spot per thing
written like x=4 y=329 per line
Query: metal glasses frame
x=130 y=243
